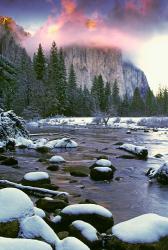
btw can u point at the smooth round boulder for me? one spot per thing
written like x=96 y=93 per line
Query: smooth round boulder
x=97 y=216
x=145 y=232
x=36 y=179
x=101 y=173
x=86 y=233
x=14 y=206
x=51 y=205
x=57 y=159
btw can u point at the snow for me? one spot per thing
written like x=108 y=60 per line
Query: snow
x=56 y=159
x=34 y=189
x=104 y=163
x=36 y=227
x=57 y=219
x=2 y=144
x=72 y=243
x=147 y=228
x=103 y=169
x=132 y=148
x=62 y=143
x=39 y=212
x=40 y=142
x=87 y=209
x=36 y=176
x=23 y=244
x=114 y=122
x=21 y=141
x=87 y=230
x=14 y=204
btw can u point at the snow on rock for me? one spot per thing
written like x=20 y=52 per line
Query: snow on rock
x=103 y=163
x=62 y=143
x=14 y=204
x=36 y=176
x=71 y=243
x=56 y=159
x=96 y=215
x=140 y=151
x=21 y=141
x=40 y=142
x=23 y=244
x=86 y=209
x=103 y=169
x=147 y=228
x=101 y=173
x=36 y=227
x=87 y=230
x=160 y=173
x=39 y=212
x=11 y=126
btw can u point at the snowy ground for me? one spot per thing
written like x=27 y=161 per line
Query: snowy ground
x=114 y=122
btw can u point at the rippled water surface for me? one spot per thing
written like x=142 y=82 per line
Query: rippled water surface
x=131 y=196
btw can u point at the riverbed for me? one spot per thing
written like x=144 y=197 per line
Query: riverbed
x=128 y=196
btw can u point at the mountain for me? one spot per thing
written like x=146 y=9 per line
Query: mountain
x=90 y=61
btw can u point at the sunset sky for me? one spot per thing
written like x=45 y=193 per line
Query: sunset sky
x=138 y=27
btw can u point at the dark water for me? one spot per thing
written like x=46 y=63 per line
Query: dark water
x=133 y=195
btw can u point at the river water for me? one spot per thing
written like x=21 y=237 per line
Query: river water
x=131 y=196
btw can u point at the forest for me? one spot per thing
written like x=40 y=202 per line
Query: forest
x=43 y=88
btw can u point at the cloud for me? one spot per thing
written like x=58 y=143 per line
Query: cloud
x=120 y=23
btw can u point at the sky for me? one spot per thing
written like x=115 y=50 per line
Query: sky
x=138 y=27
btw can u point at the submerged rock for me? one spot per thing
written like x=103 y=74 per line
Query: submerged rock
x=51 y=205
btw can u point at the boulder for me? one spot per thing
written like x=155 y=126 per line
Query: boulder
x=62 y=143
x=43 y=149
x=86 y=233
x=56 y=159
x=78 y=173
x=53 y=167
x=101 y=173
x=145 y=232
x=14 y=206
x=23 y=244
x=51 y=205
x=139 y=151
x=9 y=161
x=162 y=174
x=9 y=229
x=36 y=179
x=96 y=215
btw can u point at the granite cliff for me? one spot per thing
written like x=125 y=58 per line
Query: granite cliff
x=108 y=62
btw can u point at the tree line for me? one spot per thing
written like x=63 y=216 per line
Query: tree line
x=46 y=88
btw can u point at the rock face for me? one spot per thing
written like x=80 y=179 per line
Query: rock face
x=134 y=77
x=108 y=62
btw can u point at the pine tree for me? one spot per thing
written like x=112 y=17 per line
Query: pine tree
x=72 y=92
x=150 y=103
x=124 y=108
x=137 y=105
x=107 y=96
x=39 y=63
x=62 y=84
x=115 y=94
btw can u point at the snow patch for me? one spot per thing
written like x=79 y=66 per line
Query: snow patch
x=104 y=163
x=39 y=212
x=147 y=228
x=87 y=209
x=14 y=204
x=36 y=176
x=87 y=230
x=23 y=244
x=103 y=169
x=57 y=159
